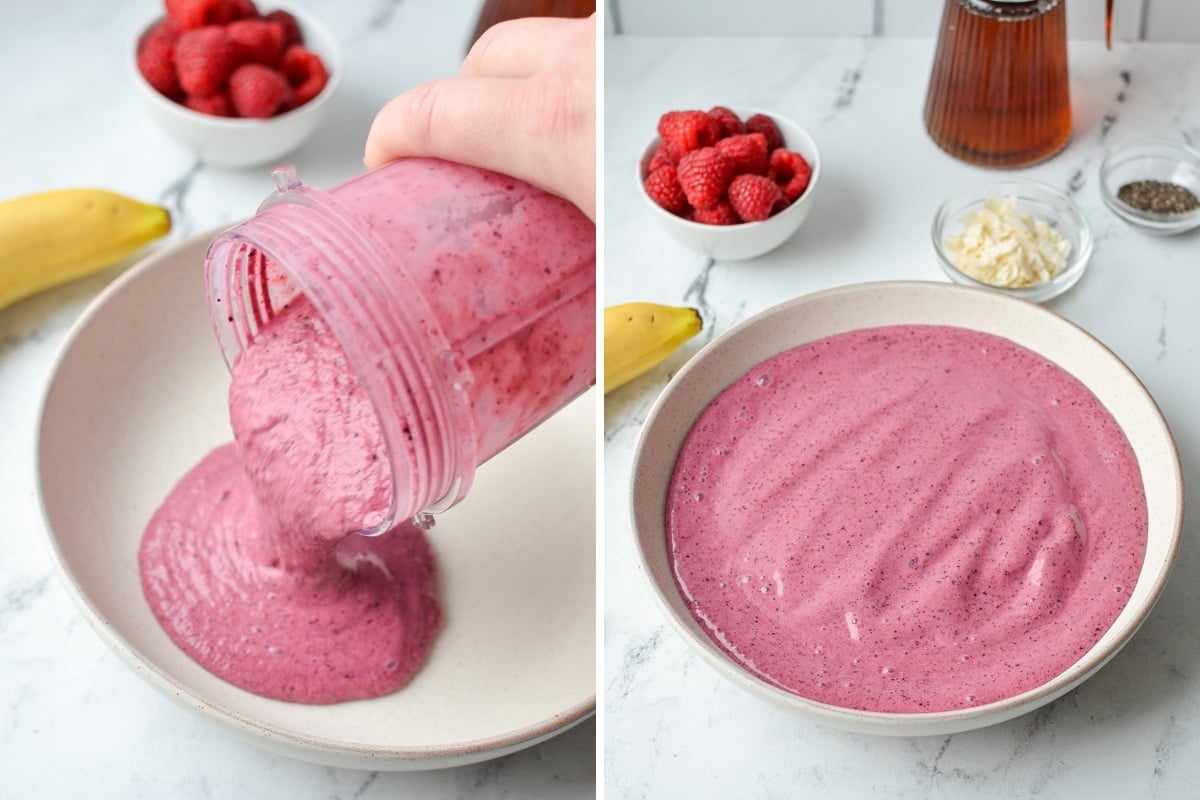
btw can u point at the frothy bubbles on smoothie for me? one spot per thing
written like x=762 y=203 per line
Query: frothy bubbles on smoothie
x=911 y=513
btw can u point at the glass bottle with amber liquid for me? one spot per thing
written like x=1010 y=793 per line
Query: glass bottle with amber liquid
x=999 y=94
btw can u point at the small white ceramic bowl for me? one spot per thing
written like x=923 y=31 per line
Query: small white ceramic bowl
x=867 y=305
x=138 y=394
x=231 y=142
x=749 y=239
x=1038 y=199
x=1151 y=159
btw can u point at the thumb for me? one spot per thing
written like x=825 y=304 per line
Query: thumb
x=457 y=119
x=499 y=124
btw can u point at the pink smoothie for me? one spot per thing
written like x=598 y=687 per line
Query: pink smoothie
x=516 y=294
x=252 y=565
x=478 y=266
x=906 y=519
x=248 y=565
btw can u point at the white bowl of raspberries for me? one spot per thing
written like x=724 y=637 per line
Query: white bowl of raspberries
x=732 y=184
x=237 y=85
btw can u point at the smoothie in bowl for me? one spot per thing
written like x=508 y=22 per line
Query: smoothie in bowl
x=906 y=508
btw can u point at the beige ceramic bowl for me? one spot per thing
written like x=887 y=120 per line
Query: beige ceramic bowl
x=226 y=142
x=848 y=308
x=137 y=396
x=750 y=239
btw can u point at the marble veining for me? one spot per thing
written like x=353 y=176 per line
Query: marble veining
x=845 y=92
x=631 y=423
x=21 y=598
x=367 y=783
x=1076 y=181
x=697 y=292
x=850 y=80
x=175 y=198
x=384 y=11
x=637 y=656
x=1106 y=124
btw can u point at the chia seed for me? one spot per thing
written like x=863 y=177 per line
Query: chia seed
x=1158 y=197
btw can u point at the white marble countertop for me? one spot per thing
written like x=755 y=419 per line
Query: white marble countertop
x=673 y=727
x=74 y=720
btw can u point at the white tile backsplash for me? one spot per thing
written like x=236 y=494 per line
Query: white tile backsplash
x=908 y=17
x=745 y=17
x=1085 y=19
x=1155 y=20
x=1172 y=21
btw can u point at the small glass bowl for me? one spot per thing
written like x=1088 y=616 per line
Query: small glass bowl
x=1038 y=199
x=1151 y=159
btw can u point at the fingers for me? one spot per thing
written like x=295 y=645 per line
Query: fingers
x=523 y=105
x=513 y=49
x=458 y=119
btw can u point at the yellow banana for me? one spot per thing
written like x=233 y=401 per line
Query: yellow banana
x=639 y=335
x=60 y=236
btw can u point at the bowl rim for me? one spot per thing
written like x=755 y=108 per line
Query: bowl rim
x=333 y=67
x=1187 y=152
x=1116 y=155
x=275 y=737
x=915 y=723
x=1038 y=292
x=743 y=112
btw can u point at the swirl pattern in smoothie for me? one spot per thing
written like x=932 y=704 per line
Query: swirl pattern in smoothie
x=906 y=519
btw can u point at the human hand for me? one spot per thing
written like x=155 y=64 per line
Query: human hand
x=524 y=104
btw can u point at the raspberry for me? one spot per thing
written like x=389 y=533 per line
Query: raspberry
x=754 y=197
x=720 y=214
x=790 y=172
x=259 y=41
x=188 y=15
x=217 y=105
x=156 y=59
x=162 y=31
x=240 y=9
x=704 y=175
x=204 y=59
x=747 y=151
x=729 y=122
x=761 y=123
x=305 y=73
x=258 y=91
x=662 y=158
x=291 y=29
x=663 y=187
x=685 y=131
